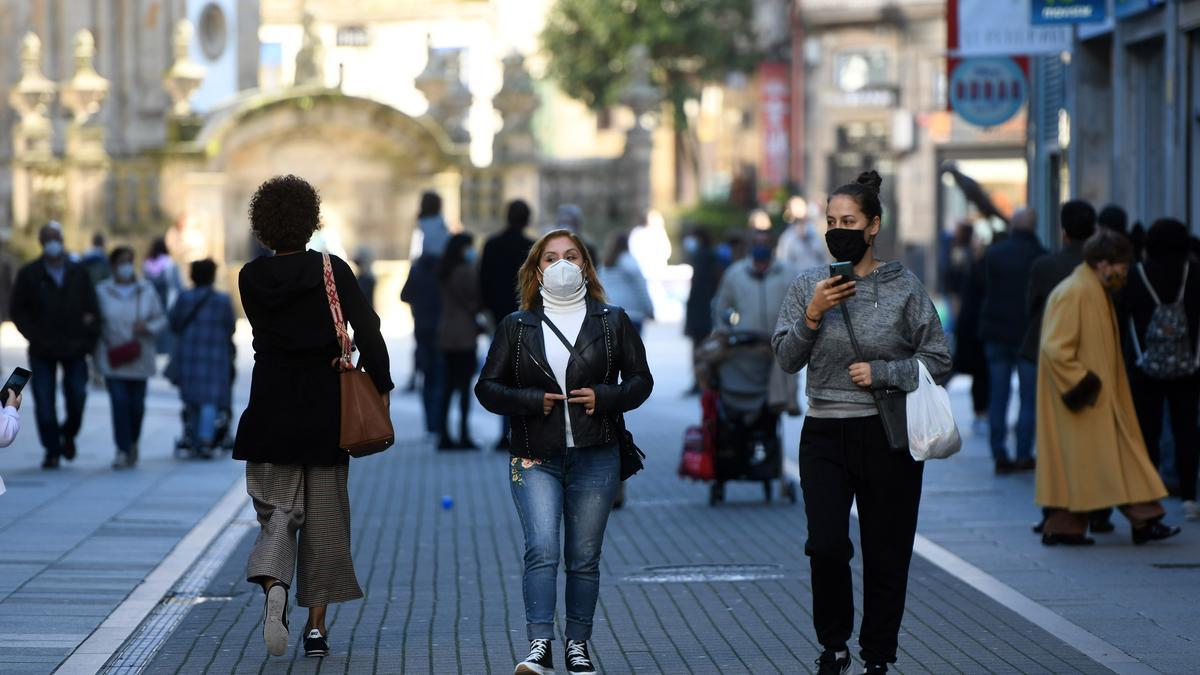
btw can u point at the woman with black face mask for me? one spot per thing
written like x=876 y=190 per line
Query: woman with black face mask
x=845 y=454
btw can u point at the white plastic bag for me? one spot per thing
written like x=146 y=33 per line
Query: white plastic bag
x=932 y=433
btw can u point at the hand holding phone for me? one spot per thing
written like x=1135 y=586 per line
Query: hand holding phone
x=831 y=292
x=12 y=388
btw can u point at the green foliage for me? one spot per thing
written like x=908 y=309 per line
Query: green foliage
x=690 y=42
x=719 y=217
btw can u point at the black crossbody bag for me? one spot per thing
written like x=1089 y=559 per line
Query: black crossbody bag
x=891 y=403
x=631 y=454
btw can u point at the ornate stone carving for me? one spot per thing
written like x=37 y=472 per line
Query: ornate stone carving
x=31 y=97
x=310 y=60
x=516 y=102
x=449 y=99
x=639 y=93
x=641 y=96
x=185 y=75
x=87 y=90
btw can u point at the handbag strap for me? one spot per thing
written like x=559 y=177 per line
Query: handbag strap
x=875 y=394
x=194 y=312
x=558 y=333
x=344 y=362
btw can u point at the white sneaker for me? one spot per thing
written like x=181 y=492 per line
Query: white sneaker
x=275 y=620
x=1191 y=509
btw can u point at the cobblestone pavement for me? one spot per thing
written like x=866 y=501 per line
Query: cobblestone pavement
x=443 y=585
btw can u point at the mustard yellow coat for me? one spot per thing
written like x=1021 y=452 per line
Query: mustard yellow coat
x=1090 y=449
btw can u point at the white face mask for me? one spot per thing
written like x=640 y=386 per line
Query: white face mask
x=562 y=279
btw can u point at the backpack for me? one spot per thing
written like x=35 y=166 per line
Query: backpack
x=1168 y=352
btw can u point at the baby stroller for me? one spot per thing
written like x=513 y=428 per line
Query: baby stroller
x=740 y=432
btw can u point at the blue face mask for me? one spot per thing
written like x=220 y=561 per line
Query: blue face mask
x=760 y=253
x=53 y=249
x=124 y=272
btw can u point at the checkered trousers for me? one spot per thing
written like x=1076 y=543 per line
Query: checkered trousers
x=312 y=502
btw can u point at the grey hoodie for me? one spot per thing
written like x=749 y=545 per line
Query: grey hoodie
x=894 y=321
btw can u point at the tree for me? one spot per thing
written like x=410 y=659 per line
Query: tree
x=690 y=43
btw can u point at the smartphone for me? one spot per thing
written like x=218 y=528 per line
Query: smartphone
x=16 y=382
x=845 y=270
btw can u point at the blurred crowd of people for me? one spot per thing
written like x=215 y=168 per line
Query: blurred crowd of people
x=94 y=317
x=1104 y=338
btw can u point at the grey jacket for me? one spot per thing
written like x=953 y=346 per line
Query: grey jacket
x=895 y=323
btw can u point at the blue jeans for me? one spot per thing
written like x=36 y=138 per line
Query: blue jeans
x=204 y=424
x=44 y=383
x=1002 y=358
x=579 y=488
x=429 y=362
x=128 y=399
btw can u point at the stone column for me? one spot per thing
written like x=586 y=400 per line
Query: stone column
x=87 y=163
x=449 y=99
x=514 y=152
x=36 y=175
x=642 y=97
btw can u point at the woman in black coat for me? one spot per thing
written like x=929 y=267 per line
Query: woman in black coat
x=289 y=434
x=566 y=424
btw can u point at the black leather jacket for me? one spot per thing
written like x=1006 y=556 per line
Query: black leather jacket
x=517 y=375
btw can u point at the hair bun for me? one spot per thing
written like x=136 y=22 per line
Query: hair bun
x=870 y=179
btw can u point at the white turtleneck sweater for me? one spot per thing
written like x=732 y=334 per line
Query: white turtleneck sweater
x=567 y=314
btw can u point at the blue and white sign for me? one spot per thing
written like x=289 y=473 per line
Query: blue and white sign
x=1052 y=12
x=987 y=92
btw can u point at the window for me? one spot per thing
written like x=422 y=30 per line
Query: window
x=859 y=70
x=353 y=36
x=213 y=31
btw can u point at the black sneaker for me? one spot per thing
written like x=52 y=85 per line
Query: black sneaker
x=834 y=662
x=50 y=463
x=578 y=660
x=315 y=644
x=539 y=661
x=875 y=669
x=1155 y=531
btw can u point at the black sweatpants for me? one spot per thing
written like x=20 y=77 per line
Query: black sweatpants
x=842 y=460
x=460 y=368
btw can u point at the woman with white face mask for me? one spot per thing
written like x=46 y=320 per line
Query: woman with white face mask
x=131 y=317
x=565 y=430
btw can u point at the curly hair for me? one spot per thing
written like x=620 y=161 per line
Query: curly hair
x=285 y=211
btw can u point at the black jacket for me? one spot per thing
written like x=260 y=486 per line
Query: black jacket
x=60 y=322
x=1047 y=272
x=706 y=279
x=424 y=296
x=294 y=414
x=516 y=376
x=1003 y=317
x=502 y=258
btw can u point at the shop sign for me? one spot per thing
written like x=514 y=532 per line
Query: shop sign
x=1124 y=8
x=774 y=116
x=1053 y=12
x=987 y=92
x=1001 y=28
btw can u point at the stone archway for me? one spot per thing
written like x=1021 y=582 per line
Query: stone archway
x=368 y=160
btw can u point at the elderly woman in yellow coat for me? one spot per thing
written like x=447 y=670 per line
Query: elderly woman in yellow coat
x=1090 y=449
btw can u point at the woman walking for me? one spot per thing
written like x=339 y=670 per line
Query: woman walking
x=458 y=333
x=289 y=434
x=624 y=282
x=131 y=317
x=161 y=271
x=844 y=451
x=566 y=425
x=202 y=319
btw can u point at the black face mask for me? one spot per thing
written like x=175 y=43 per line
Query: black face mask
x=847 y=245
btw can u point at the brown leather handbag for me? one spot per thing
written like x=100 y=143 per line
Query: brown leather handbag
x=366 y=421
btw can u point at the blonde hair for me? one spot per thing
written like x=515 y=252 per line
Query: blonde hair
x=528 y=286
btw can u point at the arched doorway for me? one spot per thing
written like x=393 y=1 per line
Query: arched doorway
x=368 y=160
